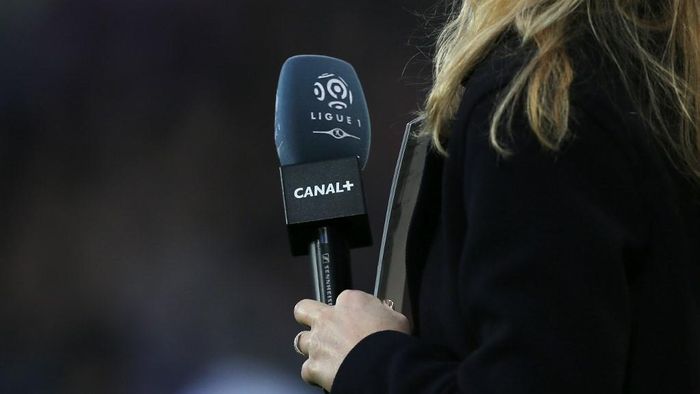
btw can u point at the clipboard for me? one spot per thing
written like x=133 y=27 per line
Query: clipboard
x=391 y=268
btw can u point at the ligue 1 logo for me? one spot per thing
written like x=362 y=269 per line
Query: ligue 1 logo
x=335 y=90
x=331 y=89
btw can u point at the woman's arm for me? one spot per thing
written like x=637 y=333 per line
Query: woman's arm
x=542 y=272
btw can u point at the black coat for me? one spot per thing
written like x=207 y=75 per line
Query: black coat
x=575 y=272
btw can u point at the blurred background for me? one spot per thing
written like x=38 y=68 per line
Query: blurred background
x=142 y=238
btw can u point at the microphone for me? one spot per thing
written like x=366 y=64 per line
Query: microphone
x=322 y=134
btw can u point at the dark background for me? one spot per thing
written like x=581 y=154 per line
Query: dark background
x=142 y=238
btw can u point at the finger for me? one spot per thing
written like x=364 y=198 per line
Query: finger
x=308 y=311
x=303 y=342
x=301 y=349
x=355 y=297
x=312 y=373
x=348 y=297
x=308 y=372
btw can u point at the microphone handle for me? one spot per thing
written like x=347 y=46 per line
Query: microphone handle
x=330 y=264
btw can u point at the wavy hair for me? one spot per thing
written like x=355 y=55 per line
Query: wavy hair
x=654 y=44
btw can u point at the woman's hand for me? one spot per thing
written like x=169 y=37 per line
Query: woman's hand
x=335 y=330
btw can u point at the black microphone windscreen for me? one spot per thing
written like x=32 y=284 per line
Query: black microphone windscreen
x=320 y=112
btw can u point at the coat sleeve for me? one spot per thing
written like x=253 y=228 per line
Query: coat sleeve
x=543 y=271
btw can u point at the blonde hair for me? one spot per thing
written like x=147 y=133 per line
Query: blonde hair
x=656 y=41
